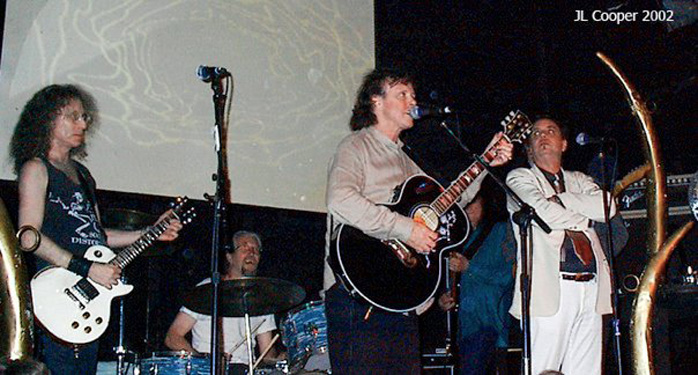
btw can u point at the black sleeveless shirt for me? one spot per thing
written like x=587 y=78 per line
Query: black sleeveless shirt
x=70 y=219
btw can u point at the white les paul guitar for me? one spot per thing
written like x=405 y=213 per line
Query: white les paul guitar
x=75 y=309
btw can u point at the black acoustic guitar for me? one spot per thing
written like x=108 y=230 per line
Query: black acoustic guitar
x=391 y=275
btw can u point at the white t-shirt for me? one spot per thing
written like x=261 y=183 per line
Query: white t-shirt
x=233 y=332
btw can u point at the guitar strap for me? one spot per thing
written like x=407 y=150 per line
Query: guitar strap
x=470 y=250
x=89 y=191
x=331 y=240
x=86 y=187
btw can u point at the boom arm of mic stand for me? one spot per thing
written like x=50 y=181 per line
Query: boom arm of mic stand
x=524 y=209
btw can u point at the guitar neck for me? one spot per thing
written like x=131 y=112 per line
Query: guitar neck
x=128 y=254
x=458 y=187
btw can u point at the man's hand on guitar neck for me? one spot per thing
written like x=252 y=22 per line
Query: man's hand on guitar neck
x=458 y=262
x=172 y=232
x=504 y=150
x=422 y=238
x=104 y=274
x=447 y=301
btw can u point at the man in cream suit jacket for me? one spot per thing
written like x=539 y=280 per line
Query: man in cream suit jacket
x=570 y=276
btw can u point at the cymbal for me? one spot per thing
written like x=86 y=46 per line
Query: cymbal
x=125 y=219
x=264 y=296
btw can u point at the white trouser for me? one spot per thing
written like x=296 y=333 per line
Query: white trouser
x=569 y=341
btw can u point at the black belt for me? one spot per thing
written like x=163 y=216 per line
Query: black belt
x=581 y=277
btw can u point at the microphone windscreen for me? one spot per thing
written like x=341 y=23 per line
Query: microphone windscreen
x=416 y=113
x=582 y=139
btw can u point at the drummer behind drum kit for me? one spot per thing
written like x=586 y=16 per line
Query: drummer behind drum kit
x=304 y=329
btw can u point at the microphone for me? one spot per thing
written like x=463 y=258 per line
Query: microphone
x=209 y=73
x=417 y=112
x=584 y=139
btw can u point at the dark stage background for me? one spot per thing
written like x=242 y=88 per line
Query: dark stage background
x=483 y=58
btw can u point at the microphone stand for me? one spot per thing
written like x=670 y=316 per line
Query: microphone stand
x=222 y=189
x=615 y=320
x=524 y=218
x=450 y=290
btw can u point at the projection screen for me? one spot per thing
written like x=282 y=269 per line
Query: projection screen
x=296 y=65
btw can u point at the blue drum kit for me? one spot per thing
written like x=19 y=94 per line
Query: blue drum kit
x=305 y=337
x=303 y=331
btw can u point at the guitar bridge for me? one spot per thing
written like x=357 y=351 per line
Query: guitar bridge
x=72 y=296
x=402 y=253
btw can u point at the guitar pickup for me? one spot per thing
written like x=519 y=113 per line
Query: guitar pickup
x=86 y=289
x=72 y=296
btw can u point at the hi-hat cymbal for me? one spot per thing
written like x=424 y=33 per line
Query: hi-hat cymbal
x=263 y=296
x=125 y=219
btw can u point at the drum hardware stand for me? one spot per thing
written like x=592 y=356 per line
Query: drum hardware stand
x=248 y=336
x=146 y=339
x=245 y=339
x=121 y=350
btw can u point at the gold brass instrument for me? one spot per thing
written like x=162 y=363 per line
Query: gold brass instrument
x=16 y=323
x=659 y=251
x=656 y=179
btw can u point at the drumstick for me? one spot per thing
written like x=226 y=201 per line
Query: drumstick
x=271 y=344
x=244 y=339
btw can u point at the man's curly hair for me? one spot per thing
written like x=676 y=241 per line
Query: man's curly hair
x=32 y=134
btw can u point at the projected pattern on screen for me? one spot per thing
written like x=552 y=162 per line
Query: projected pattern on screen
x=296 y=66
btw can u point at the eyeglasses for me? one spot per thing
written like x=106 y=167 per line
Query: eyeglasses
x=76 y=116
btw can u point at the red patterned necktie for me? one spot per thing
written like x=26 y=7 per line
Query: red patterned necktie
x=580 y=242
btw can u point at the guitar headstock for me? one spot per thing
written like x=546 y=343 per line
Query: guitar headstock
x=517 y=126
x=179 y=210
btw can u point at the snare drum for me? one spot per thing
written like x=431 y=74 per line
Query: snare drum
x=175 y=363
x=304 y=333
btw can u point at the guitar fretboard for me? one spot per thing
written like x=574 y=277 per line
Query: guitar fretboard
x=458 y=187
x=516 y=128
x=128 y=254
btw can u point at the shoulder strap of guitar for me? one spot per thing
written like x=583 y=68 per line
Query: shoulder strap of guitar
x=90 y=190
x=331 y=242
x=470 y=250
x=84 y=183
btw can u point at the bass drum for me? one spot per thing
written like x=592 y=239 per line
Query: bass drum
x=304 y=332
x=175 y=363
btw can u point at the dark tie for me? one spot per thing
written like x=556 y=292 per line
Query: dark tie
x=580 y=242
